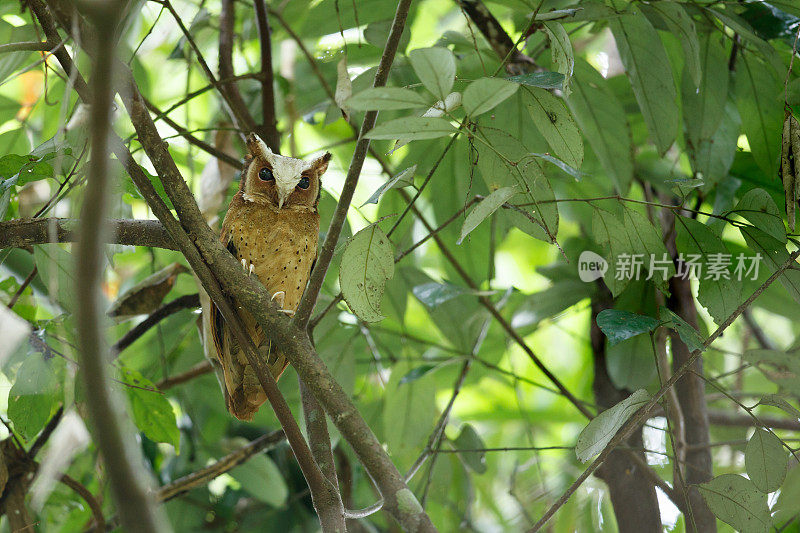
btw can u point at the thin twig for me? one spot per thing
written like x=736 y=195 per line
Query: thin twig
x=230 y=461
x=187 y=301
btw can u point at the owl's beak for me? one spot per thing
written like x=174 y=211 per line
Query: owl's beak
x=284 y=190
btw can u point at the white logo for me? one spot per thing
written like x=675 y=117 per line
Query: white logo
x=591 y=266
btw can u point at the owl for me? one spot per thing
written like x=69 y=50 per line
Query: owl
x=271 y=227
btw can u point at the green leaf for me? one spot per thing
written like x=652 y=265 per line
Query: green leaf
x=545 y=80
x=367 y=262
x=386 y=98
x=484 y=94
x=11 y=164
x=412 y=128
x=681 y=25
x=485 y=207
x=56 y=269
x=788 y=504
x=766 y=461
x=687 y=333
x=745 y=30
x=704 y=106
x=602 y=120
x=34 y=395
x=436 y=69
x=620 y=325
x=720 y=296
x=468 y=439
x=758 y=97
x=391 y=183
x=624 y=239
x=758 y=208
x=736 y=501
x=262 y=479
x=712 y=157
x=522 y=172
x=594 y=437
x=435 y=294
x=773 y=256
x=777 y=401
x=561 y=50
x=630 y=364
x=650 y=74
x=555 y=123
x=152 y=412
x=408 y=413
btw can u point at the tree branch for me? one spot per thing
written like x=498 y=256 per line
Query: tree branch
x=227 y=463
x=187 y=301
x=229 y=90
x=198 y=370
x=25 y=233
x=268 y=129
x=137 y=510
x=35 y=46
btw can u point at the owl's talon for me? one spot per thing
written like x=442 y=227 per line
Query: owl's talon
x=244 y=264
x=278 y=297
x=250 y=271
x=287 y=312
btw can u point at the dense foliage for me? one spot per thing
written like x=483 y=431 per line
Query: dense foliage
x=515 y=260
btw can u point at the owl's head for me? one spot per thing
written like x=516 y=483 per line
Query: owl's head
x=279 y=180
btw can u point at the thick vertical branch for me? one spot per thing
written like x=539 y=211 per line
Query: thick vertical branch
x=137 y=509
x=268 y=129
x=690 y=391
x=229 y=89
x=632 y=495
x=692 y=403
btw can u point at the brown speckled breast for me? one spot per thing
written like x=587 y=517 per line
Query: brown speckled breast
x=282 y=246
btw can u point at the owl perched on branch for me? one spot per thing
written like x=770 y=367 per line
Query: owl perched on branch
x=271 y=226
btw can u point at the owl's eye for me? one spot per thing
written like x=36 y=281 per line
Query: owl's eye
x=265 y=174
x=303 y=183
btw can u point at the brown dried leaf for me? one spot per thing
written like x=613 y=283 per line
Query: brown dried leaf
x=787 y=169
x=147 y=295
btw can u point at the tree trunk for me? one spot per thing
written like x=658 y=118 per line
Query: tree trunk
x=633 y=496
x=691 y=395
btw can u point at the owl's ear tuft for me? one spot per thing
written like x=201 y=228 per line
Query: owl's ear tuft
x=320 y=164
x=257 y=147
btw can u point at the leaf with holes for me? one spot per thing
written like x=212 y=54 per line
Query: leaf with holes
x=736 y=501
x=367 y=263
x=604 y=426
x=766 y=461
